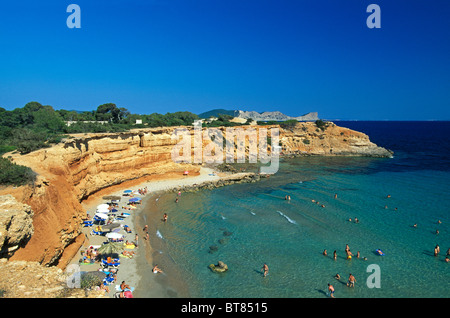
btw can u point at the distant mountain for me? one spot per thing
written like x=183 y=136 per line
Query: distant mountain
x=217 y=112
x=265 y=116
x=275 y=116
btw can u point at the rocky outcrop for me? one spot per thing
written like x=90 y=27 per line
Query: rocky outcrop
x=221 y=267
x=84 y=164
x=330 y=140
x=243 y=177
x=16 y=225
x=21 y=279
x=275 y=116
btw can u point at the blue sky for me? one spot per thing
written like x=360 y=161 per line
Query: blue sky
x=265 y=55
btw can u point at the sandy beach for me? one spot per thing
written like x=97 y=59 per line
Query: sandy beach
x=128 y=269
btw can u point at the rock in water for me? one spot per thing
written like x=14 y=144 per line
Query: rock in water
x=221 y=267
x=213 y=248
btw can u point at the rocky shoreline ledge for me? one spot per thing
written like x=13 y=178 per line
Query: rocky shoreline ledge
x=243 y=177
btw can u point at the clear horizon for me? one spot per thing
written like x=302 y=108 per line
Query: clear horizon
x=289 y=56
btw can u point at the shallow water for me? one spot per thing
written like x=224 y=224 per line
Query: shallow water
x=247 y=225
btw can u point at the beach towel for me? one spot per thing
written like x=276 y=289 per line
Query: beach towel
x=128 y=294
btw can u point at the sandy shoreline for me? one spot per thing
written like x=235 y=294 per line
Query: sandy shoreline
x=128 y=269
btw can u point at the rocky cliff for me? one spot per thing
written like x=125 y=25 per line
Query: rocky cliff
x=275 y=116
x=71 y=171
x=309 y=139
x=16 y=225
x=84 y=164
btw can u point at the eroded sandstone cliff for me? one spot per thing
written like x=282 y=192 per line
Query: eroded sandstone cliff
x=309 y=139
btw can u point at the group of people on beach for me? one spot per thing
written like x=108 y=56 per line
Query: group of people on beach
x=143 y=191
x=92 y=255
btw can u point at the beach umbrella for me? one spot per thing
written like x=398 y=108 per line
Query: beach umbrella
x=127 y=191
x=101 y=215
x=110 y=226
x=111 y=248
x=114 y=235
x=135 y=199
x=112 y=197
x=103 y=208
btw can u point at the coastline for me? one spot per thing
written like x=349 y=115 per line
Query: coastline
x=133 y=270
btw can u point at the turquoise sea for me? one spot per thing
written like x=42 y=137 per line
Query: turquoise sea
x=247 y=225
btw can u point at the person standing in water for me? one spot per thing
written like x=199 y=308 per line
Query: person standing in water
x=265 y=269
x=436 y=250
x=331 y=290
x=351 y=281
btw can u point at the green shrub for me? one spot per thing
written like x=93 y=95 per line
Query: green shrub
x=27 y=140
x=6 y=148
x=13 y=174
x=321 y=124
x=289 y=124
x=89 y=281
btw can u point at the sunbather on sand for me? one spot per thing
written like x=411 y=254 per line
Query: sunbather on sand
x=124 y=286
x=156 y=269
x=129 y=254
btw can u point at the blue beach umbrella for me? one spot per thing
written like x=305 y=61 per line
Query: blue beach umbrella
x=127 y=191
x=135 y=199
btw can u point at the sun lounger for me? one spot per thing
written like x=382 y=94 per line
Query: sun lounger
x=88 y=223
x=127 y=228
x=109 y=279
x=97 y=231
x=114 y=263
x=94 y=232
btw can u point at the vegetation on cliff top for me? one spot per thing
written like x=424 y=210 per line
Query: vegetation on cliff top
x=13 y=174
x=36 y=126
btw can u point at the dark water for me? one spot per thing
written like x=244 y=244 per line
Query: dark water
x=247 y=225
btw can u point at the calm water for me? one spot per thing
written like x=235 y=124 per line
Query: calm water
x=247 y=225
